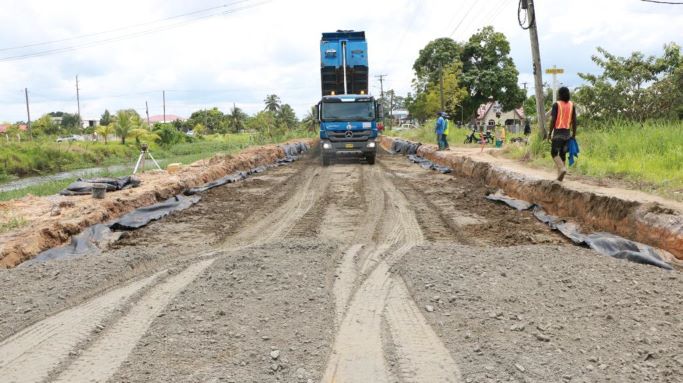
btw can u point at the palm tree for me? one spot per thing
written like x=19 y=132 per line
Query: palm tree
x=272 y=103
x=236 y=119
x=310 y=121
x=105 y=131
x=123 y=124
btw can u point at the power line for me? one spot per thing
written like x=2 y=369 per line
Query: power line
x=463 y=18
x=662 y=2
x=125 y=37
x=121 y=28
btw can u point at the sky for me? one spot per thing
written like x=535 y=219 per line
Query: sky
x=216 y=53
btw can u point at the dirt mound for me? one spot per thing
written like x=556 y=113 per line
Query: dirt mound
x=638 y=221
x=50 y=221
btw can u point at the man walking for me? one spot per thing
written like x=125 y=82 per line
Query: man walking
x=563 y=117
x=440 y=127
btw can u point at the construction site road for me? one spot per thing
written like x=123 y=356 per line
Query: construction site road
x=346 y=273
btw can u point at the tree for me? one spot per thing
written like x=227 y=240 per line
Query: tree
x=436 y=54
x=168 y=135
x=635 y=87
x=45 y=125
x=286 y=118
x=310 y=121
x=105 y=131
x=71 y=122
x=106 y=118
x=488 y=71
x=199 y=130
x=428 y=101
x=272 y=103
x=213 y=119
x=236 y=119
x=124 y=122
x=264 y=122
x=141 y=134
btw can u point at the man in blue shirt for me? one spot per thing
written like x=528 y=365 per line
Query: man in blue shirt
x=440 y=128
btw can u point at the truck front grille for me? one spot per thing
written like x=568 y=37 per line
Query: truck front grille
x=349 y=135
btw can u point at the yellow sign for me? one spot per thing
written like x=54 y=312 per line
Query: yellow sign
x=554 y=71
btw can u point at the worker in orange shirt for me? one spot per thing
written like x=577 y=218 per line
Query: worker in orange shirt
x=563 y=118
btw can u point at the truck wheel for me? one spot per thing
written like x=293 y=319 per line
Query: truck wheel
x=326 y=160
x=370 y=158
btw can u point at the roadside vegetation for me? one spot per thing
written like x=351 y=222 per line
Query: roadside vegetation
x=120 y=136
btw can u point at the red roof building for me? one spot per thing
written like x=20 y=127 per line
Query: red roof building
x=4 y=127
x=160 y=118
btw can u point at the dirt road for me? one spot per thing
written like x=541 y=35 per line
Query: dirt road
x=350 y=273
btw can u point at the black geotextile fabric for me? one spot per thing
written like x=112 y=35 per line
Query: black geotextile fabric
x=144 y=215
x=95 y=238
x=427 y=164
x=84 y=186
x=404 y=147
x=604 y=243
x=91 y=241
x=230 y=178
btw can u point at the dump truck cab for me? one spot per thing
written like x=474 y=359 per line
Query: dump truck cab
x=349 y=117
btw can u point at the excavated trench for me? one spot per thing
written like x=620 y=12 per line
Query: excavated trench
x=648 y=223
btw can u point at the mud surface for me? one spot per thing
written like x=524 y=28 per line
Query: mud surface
x=353 y=273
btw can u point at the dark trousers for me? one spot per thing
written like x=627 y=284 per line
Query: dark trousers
x=444 y=140
x=559 y=144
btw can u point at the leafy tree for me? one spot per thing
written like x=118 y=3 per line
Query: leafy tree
x=272 y=103
x=236 y=119
x=286 y=118
x=105 y=131
x=488 y=71
x=106 y=118
x=264 y=122
x=45 y=125
x=213 y=119
x=71 y=122
x=199 y=130
x=635 y=87
x=435 y=55
x=428 y=101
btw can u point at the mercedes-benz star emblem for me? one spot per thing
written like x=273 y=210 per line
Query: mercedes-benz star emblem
x=349 y=134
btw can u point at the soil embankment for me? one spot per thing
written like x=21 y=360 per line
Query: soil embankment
x=643 y=221
x=51 y=221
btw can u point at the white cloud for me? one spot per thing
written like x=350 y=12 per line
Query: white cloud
x=273 y=48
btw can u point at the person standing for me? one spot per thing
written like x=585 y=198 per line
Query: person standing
x=563 y=118
x=440 y=127
x=444 y=137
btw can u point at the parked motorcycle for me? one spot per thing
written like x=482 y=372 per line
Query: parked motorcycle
x=475 y=136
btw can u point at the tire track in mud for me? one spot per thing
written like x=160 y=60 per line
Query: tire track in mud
x=103 y=357
x=52 y=341
x=31 y=354
x=358 y=354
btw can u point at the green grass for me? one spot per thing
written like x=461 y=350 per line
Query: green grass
x=12 y=223
x=648 y=156
x=183 y=153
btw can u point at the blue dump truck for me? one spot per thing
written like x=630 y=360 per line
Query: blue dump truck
x=349 y=117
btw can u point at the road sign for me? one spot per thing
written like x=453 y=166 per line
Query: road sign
x=554 y=71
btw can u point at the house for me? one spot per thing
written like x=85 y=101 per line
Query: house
x=90 y=122
x=4 y=127
x=169 y=118
x=513 y=120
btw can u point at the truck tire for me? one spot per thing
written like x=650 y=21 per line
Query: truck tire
x=370 y=158
x=326 y=160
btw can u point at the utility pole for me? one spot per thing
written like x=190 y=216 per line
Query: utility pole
x=441 y=87
x=381 y=85
x=147 y=112
x=78 y=98
x=538 y=71
x=28 y=114
x=525 y=87
x=163 y=94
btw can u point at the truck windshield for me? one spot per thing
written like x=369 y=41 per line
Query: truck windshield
x=348 y=111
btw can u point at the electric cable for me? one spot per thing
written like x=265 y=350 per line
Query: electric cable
x=662 y=2
x=127 y=36
x=121 y=28
x=525 y=23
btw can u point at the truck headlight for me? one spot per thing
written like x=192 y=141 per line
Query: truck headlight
x=371 y=144
x=326 y=145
